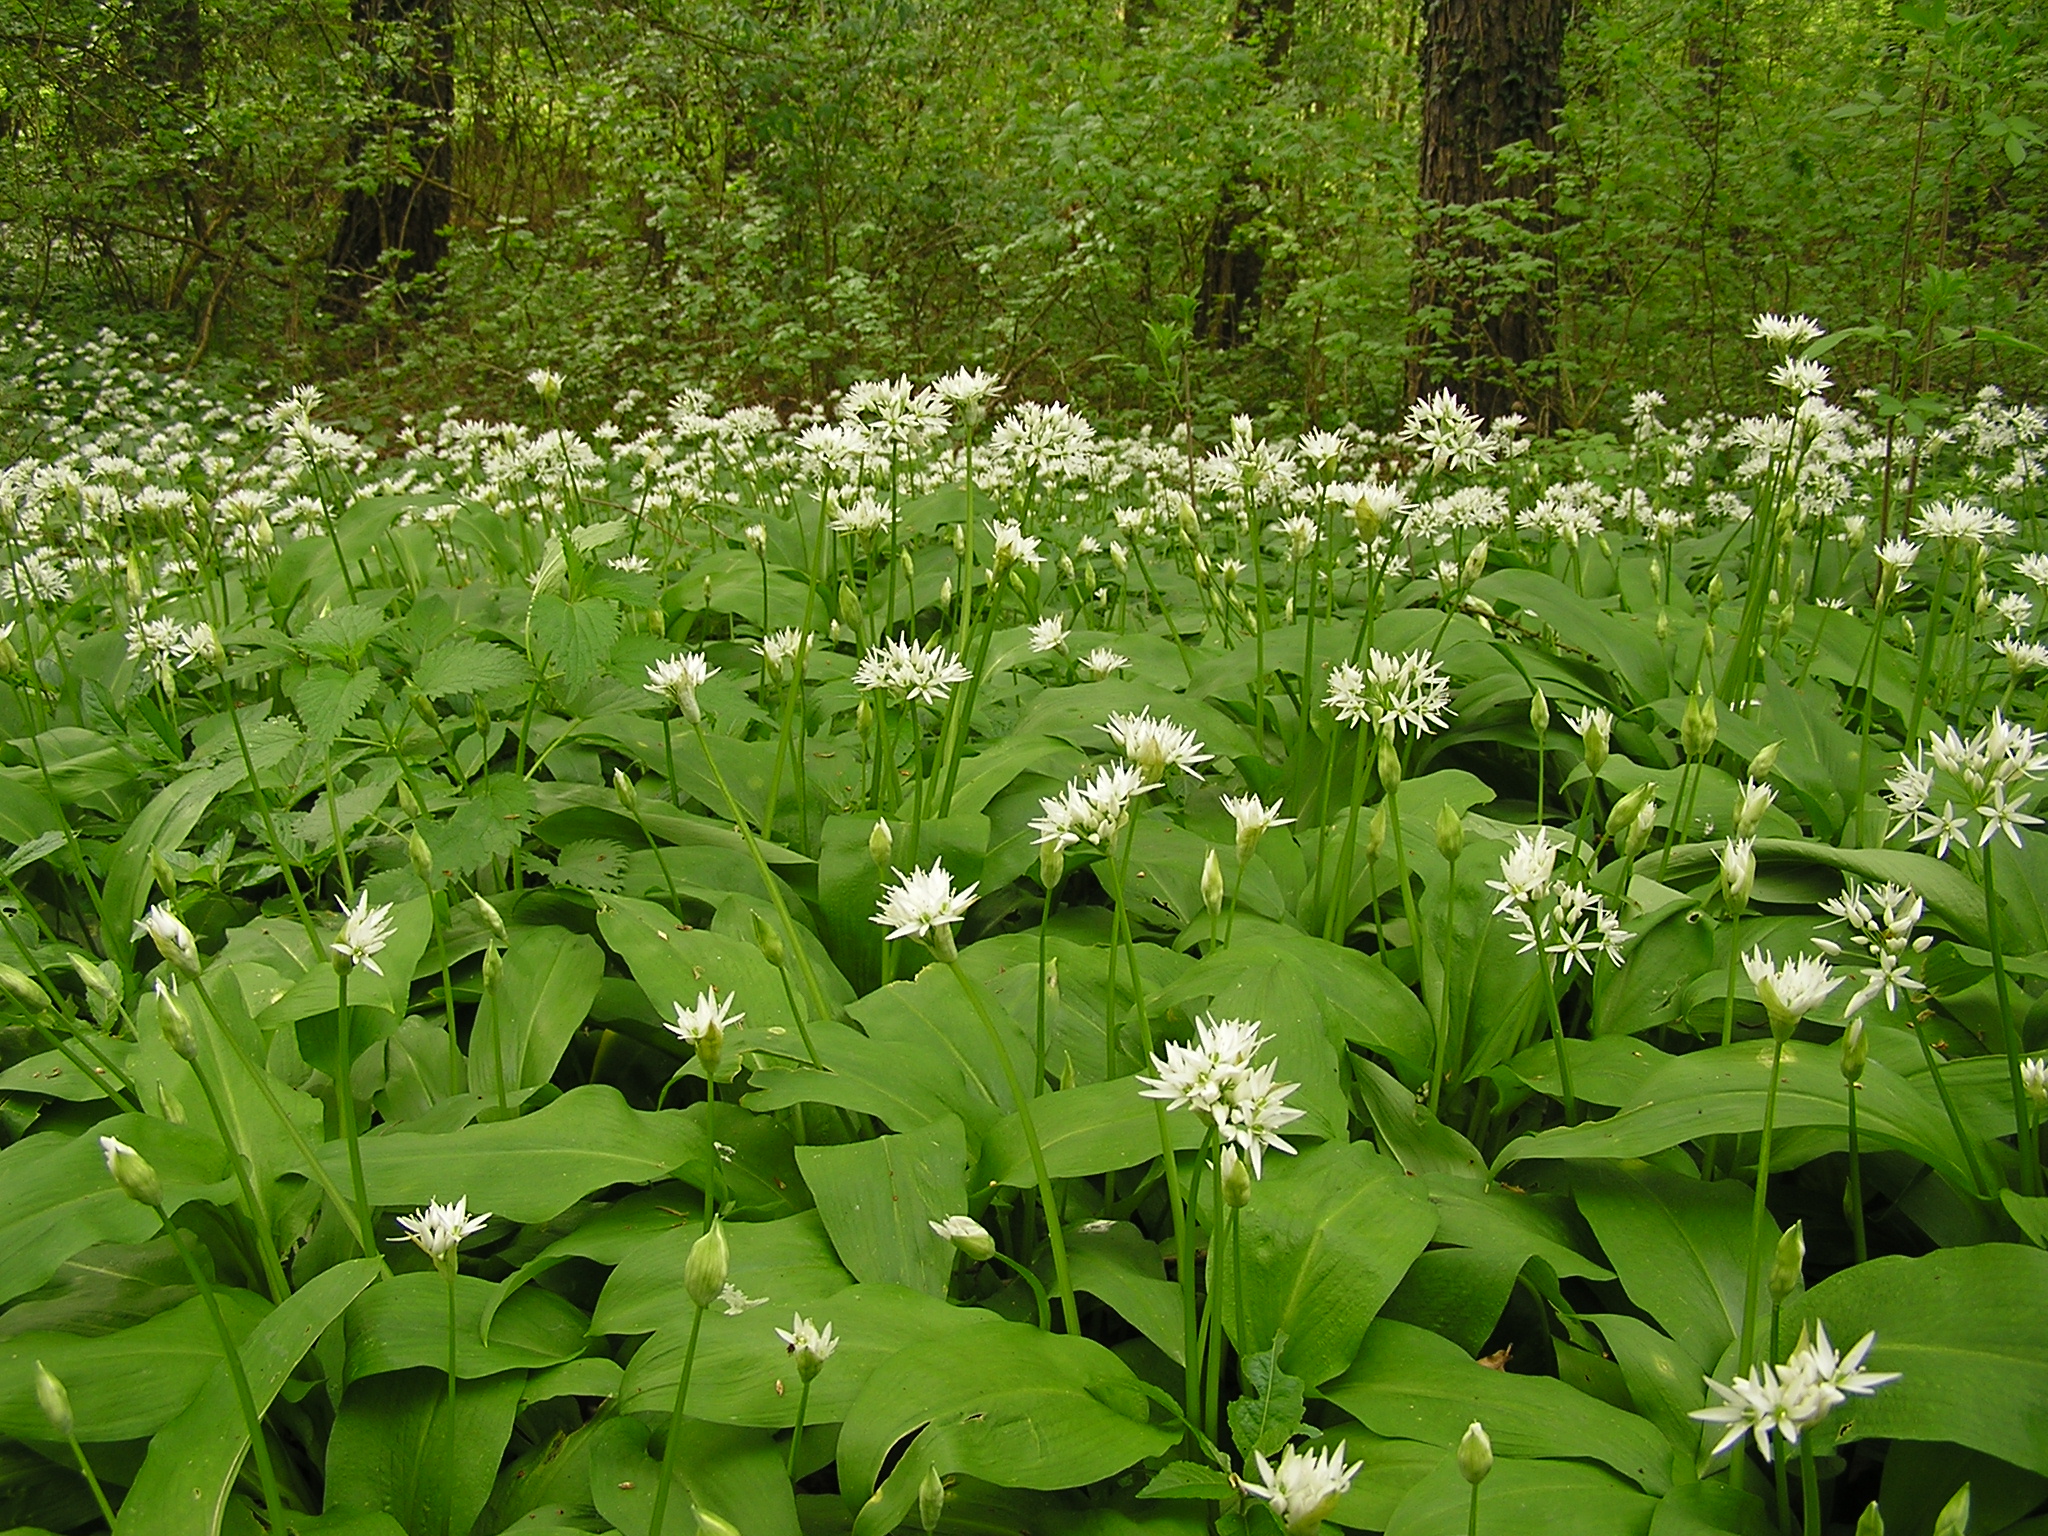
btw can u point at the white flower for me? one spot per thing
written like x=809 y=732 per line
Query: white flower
x=923 y=904
x=1836 y=1378
x=864 y=517
x=2001 y=815
x=736 y=1302
x=1305 y=1487
x=1092 y=810
x=1215 y=1077
x=1761 y=1403
x=1049 y=635
x=1783 y=333
x=2021 y=655
x=1750 y=806
x=1801 y=376
x=965 y=1234
x=1738 y=869
x=2034 y=1080
x=783 y=651
x=439 y=1229
x=1103 y=662
x=1012 y=547
x=1962 y=520
x=172 y=938
x=1449 y=434
x=1257 y=1114
x=1789 y=990
x=811 y=1345
x=365 y=930
x=1156 y=745
x=159 y=644
x=705 y=1021
x=546 y=383
x=678 y=678
x=1525 y=871
x=1254 y=820
x=910 y=669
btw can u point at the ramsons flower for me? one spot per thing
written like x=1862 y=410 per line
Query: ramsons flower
x=1254 y=820
x=808 y=1344
x=172 y=938
x=438 y=1230
x=678 y=678
x=1215 y=1077
x=365 y=930
x=924 y=905
x=1304 y=1488
x=1791 y=989
x=1156 y=746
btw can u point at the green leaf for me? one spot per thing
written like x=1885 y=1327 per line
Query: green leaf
x=1085 y=1131
x=403 y=1322
x=1327 y=1237
x=531 y=1168
x=527 y=1020
x=1036 y=1410
x=877 y=1197
x=127 y=1384
x=1965 y=1329
x=1270 y=1414
x=675 y=963
x=576 y=637
x=1189 y=1480
x=1118 y=1265
x=328 y=701
x=1420 y=1142
x=734 y=1473
x=1525 y=1498
x=468 y=666
x=392 y=1450
x=1411 y=1384
x=788 y=1261
x=183 y=1487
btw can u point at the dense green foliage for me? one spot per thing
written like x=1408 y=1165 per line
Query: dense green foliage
x=1627 y=969
x=773 y=201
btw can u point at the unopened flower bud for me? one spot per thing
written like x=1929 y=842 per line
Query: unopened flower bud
x=1070 y=1077
x=768 y=941
x=494 y=967
x=1623 y=816
x=24 y=989
x=1855 y=1052
x=132 y=1172
x=1717 y=591
x=492 y=920
x=1656 y=573
x=1789 y=1264
x=54 y=1401
x=1212 y=883
x=931 y=1499
x=1640 y=829
x=755 y=537
x=1475 y=564
x=1663 y=627
x=1871 y=1522
x=168 y=1106
x=10 y=658
x=1450 y=832
x=909 y=563
x=409 y=800
x=95 y=979
x=849 y=607
x=1475 y=1454
x=623 y=787
x=1738 y=875
x=1766 y=759
x=710 y=1260
x=424 y=708
x=1709 y=644
x=161 y=872
x=175 y=1022
x=1376 y=833
x=1390 y=765
x=1594 y=737
x=1954 y=1519
x=1189 y=527
x=420 y=856
x=1052 y=864
x=1237 y=1180
x=946 y=593
x=1539 y=713
x=881 y=844
x=967 y=1235
x=1700 y=725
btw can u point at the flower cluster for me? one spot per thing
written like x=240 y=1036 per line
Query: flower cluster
x=923 y=904
x=1091 y=810
x=1780 y=1401
x=1881 y=919
x=1156 y=746
x=1215 y=1077
x=911 y=670
x=1403 y=695
x=1304 y=1488
x=1560 y=918
x=439 y=1229
x=1983 y=770
x=163 y=646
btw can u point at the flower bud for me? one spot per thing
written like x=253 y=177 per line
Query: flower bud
x=1376 y=833
x=881 y=844
x=1237 y=1180
x=709 y=1262
x=1070 y=1077
x=132 y=1172
x=1640 y=829
x=24 y=989
x=420 y=856
x=175 y=1022
x=946 y=593
x=1475 y=564
x=622 y=786
x=967 y=1235
x=1855 y=1052
x=1052 y=864
x=1750 y=804
x=424 y=708
x=491 y=919
x=168 y=1106
x=1871 y=1522
x=53 y=1400
x=1700 y=725
x=755 y=537
x=1789 y=1264
x=1450 y=832
x=1663 y=627
x=849 y=607
x=1623 y=816
x=931 y=1499
x=1954 y=1519
x=1212 y=883
x=1738 y=875
x=1539 y=713
x=10 y=658
x=1390 y=765
x=95 y=979
x=909 y=563
x=1595 y=738
x=768 y=941
x=1760 y=768
x=1717 y=592
x=1475 y=1454
x=494 y=967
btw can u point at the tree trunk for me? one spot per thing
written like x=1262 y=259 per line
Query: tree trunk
x=1491 y=77
x=1232 y=264
x=399 y=199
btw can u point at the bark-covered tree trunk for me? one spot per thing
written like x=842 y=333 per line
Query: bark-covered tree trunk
x=1232 y=265
x=1491 y=77
x=399 y=197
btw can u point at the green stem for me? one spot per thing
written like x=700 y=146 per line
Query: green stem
x=1053 y=1224
x=232 y=1354
x=2029 y=1146
x=1978 y=1183
x=1037 y=1285
x=99 y=1494
x=803 y=1403
x=449 y=1269
x=1928 y=644
x=345 y=1104
x=1750 y=1269
x=1472 y=1515
x=1809 y=1488
x=675 y=1432
x=1779 y=1477
x=1856 y=1183
x=1564 y=1062
x=259 y=1216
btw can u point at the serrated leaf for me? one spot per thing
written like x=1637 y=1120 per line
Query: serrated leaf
x=591 y=864
x=328 y=701
x=468 y=666
x=341 y=633
x=575 y=637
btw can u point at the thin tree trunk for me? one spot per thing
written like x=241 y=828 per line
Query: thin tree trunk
x=1232 y=264
x=395 y=210
x=1491 y=77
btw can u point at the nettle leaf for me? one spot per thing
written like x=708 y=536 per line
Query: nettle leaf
x=341 y=634
x=469 y=666
x=590 y=864
x=488 y=825
x=328 y=701
x=576 y=637
x=1270 y=1415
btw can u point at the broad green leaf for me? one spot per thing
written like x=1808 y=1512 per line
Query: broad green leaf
x=1663 y=1379
x=1496 y=1217
x=1967 y=1333
x=468 y=666
x=127 y=1384
x=576 y=637
x=403 y=1321
x=741 y=1363
x=1525 y=1498
x=788 y=1261
x=1326 y=1238
x=1084 y=1131
x=394 y=1449
x=878 y=1197
x=103 y=1288
x=183 y=1487
x=1119 y=1266
x=1457 y=1292
x=1411 y=1384
x=675 y=964
x=1721 y=1091
x=736 y=1474
x=527 y=1020
x=1419 y=1141
x=526 y=1169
